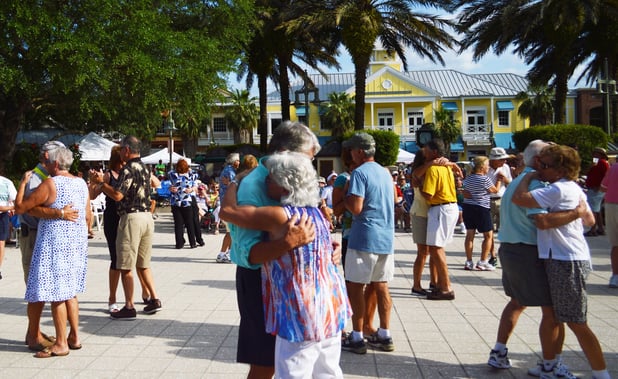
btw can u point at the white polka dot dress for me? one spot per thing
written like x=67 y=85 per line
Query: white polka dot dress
x=60 y=256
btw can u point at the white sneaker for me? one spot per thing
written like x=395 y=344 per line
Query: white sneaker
x=223 y=258
x=613 y=281
x=538 y=369
x=469 y=266
x=484 y=266
x=497 y=360
x=559 y=371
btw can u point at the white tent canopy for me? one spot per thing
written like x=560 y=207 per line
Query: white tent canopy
x=93 y=147
x=405 y=157
x=164 y=156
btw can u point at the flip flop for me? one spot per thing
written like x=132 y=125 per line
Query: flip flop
x=47 y=353
x=40 y=346
x=45 y=336
x=75 y=347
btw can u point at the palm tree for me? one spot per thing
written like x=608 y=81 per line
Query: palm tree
x=545 y=33
x=447 y=128
x=537 y=105
x=339 y=114
x=360 y=23
x=242 y=116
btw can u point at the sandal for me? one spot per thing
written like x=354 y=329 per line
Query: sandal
x=47 y=353
x=113 y=308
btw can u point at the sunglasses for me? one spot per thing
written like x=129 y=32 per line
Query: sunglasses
x=544 y=165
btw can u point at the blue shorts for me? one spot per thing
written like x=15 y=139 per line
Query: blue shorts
x=594 y=199
x=477 y=217
x=4 y=226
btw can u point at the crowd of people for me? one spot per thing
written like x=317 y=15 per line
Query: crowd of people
x=279 y=216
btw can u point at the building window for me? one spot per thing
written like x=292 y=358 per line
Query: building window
x=416 y=119
x=476 y=121
x=386 y=119
x=219 y=125
x=302 y=120
x=503 y=118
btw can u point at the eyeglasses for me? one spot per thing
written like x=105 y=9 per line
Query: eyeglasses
x=544 y=165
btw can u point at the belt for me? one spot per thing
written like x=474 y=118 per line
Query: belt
x=437 y=205
x=138 y=211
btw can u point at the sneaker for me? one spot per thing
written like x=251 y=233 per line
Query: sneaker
x=384 y=344
x=613 y=281
x=493 y=261
x=538 y=369
x=559 y=371
x=484 y=266
x=357 y=347
x=497 y=360
x=153 y=307
x=124 y=314
x=469 y=266
x=223 y=258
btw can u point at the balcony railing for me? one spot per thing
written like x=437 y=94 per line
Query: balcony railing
x=477 y=134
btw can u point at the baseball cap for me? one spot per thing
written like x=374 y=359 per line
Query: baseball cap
x=51 y=145
x=331 y=176
x=360 y=141
x=498 y=153
x=600 y=150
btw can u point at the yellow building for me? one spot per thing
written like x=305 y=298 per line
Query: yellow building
x=484 y=104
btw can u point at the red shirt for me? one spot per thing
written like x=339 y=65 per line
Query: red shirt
x=596 y=174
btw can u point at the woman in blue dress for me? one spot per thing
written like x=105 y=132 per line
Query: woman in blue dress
x=59 y=260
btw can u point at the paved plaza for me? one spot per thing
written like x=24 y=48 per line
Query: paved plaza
x=195 y=334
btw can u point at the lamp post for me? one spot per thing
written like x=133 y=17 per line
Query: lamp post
x=308 y=88
x=607 y=87
x=169 y=126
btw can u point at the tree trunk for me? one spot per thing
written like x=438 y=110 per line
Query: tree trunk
x=360 y=75
x=10 y=124
x=561 y=96
x=284 y=88
x=263 y=125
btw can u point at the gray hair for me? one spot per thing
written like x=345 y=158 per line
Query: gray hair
x=294 y=172
x=133 y=143
x=232 y=157
x=532 y=150
x=63 y=156
x=294 y=136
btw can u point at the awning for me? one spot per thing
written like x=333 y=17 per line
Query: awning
x=450 y=106
x=504 y=105
x=457 y=146
x=504 y=140
x=301 y=111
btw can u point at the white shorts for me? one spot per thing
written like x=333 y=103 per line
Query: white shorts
x=441 y=222
x=310 y=359
x=366 y=268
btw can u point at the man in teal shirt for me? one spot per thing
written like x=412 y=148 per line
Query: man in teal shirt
x=523 y=274
x=255 y=346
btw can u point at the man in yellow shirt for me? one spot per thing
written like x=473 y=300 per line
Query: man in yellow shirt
x=439 y=191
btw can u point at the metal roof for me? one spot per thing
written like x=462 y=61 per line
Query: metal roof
x=446 y=83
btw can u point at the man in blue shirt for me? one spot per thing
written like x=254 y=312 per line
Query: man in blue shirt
x=370 y=256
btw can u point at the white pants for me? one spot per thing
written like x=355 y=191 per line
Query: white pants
x=309 y=359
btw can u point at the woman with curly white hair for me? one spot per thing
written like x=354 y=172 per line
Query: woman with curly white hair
x=305 y=301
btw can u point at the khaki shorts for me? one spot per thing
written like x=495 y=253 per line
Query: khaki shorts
x=134 y=241
x=366 y=268
x=26 y=246
x=419 y=230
